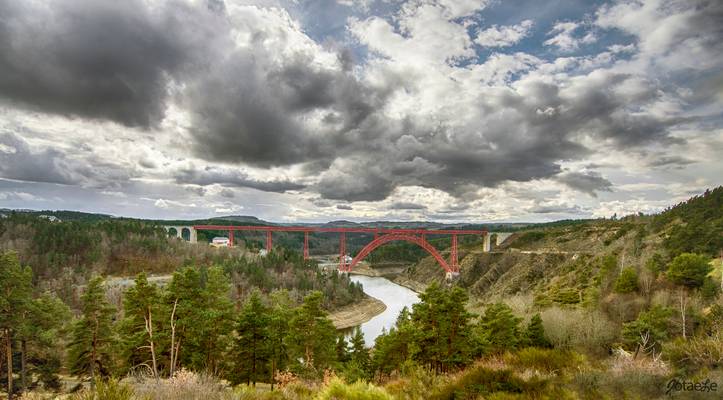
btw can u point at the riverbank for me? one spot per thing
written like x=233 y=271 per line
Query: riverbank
x=357 y=313
x=410 y=284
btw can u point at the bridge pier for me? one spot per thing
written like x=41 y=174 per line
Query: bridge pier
x=501 y=237
x=342 y=252
x=486 y=244
x=306 y=245
x=269 y=242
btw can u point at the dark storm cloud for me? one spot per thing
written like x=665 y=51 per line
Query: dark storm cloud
x=19 y=161
x=556 y=209
x=100 y=59
x=267 y=103
x=232 y=178
x=401 y=205
x=250 y=110
x=586 y=182
x=669 y=161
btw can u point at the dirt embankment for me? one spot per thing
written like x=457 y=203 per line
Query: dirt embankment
x=357 y=313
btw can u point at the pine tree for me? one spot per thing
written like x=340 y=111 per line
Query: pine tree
x=40 y=338
x=312 y=336
x=141 y=325
x=535 y=333
x=359 y=361
x=281 y=312
x=442 y=329
x=90 y=351
x=342 y=349
x=202 y=320
x=500 y=327
x=627 y=282
x=689 y=270
x=15 y=305
x=251 y=349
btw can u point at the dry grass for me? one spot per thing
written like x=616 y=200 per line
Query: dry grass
x=585 y=331
x=184 y=385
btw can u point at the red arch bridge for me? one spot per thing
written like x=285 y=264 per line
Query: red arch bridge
x=381 y=236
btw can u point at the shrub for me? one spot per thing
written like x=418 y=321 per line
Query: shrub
x=358 y=391
x=545 y=360
x=585 y=331
x=689 y=269
x=535 y=333
x=652 y=324
x=183 y=385
x=482 y=382
x=500 y=327
x=697 y=353
x=110 y=389
x=710 y=289
x=627 y=282
x=593 y=384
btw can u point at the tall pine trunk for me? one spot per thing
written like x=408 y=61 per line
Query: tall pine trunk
x=24 y=364
x=9 y=355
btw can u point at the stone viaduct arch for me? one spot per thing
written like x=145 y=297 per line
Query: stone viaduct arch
x=182 y=232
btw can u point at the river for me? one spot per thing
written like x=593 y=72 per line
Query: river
x=394 y=296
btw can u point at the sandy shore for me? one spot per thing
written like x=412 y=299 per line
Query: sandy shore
x=357 y=313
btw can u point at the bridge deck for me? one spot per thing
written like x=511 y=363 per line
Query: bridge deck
x=347 y=230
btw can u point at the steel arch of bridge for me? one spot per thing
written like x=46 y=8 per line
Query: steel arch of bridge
x=381 y=236
x=418 y=240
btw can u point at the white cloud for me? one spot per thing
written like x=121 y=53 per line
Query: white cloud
x=502 y=36
x=565 y=38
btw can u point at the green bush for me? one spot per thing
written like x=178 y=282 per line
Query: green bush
x=689 y=269
x=710 y=289
x=698 y=353
x=482 y=382
x=356 y=391
x=110 y=389
x=654 y=322
x=546 y=360
x=535 y=333
x=500 y=328
x=627 y=282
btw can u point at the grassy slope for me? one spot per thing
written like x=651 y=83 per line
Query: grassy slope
x=563 y=263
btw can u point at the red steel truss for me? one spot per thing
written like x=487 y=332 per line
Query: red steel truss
x=381 y=236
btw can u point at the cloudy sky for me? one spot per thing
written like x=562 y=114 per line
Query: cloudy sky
x=312 y=110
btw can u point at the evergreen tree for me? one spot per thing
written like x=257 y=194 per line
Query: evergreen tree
x=202 y=320
x=500 y=327
x=141 y=325
x=392 y=349
x=689 y=270
x=651 y=326
x=281 y=312
x=535 y=333
x=40 y=341
x=312 y=336
x=359 y=352
x=15 y=305
x=443 y=334
x=627 y=282
x=91 y=346
x=251 y=349
x=359 y=363
x=342 y=349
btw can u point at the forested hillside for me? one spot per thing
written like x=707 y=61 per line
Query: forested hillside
x=615 y=308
